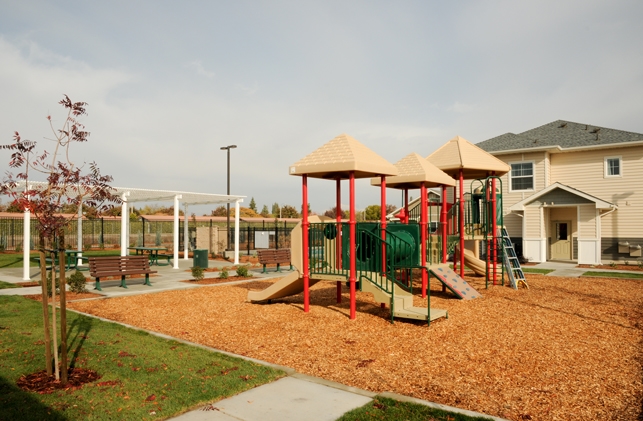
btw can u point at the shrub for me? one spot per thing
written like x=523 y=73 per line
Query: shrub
x=627 y=263
x=224 y=273
x=243 y=271
x=77 y=282
x=48 y=287
x=613 y=264
x=197 y=273
x=19 y=247
x=640 y=264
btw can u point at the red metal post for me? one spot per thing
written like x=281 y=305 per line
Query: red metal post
x=461 y=223
x=304 y=243
x=443 y=222
x=495 y=229
x=353 y=256
x=338 y=237
x=406 y=204
x=423 y=231
x=383 y=223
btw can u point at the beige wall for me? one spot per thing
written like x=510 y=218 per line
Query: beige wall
x=585 y=171
x=587 y=222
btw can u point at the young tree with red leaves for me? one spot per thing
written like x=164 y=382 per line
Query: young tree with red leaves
x=67 y=184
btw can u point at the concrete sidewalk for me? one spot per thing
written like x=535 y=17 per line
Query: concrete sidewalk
x=166 y=279
x=570 y=269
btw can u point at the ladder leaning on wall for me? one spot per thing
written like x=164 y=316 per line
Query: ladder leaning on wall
x=511 y=262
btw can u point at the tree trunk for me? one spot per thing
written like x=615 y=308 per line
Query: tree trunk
x=45 y=304
x=54 y=323
x=63 y=312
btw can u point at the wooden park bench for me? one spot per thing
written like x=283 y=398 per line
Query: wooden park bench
x=100 y=267
x=269 y=256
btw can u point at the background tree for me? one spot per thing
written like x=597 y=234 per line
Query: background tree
x=332 y=213
x=264 y=211
x=219 y=211
x=244 y=212
x=253 y=204
x=275 y=210
x=67 y=185
x=288 y=211
x=373 y=213
x=310 y=212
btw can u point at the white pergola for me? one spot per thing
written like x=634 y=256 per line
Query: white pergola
x=135 y=195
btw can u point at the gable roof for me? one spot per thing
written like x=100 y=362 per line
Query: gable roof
x=336 y=158
x=413 y=171
x=600 y=204
x=558 y=136
x=458 y=153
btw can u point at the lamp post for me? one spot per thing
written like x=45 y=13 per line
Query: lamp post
x=227 y=148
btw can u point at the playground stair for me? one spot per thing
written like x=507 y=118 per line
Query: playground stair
x=402 y=305
x=512 y=264
x=453 y=281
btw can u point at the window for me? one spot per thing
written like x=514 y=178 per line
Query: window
x=522 y=176
x=613 y=166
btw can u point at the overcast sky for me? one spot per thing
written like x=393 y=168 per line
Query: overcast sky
x=170 y=82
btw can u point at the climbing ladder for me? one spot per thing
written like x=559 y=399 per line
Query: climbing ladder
x=511 y=262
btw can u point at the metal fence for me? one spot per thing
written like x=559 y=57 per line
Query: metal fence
x=106 y=233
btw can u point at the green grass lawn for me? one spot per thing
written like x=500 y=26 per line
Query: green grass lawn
x=5 y=285
x=534 y=270
x=143 y=377
x=391 y=410
x=613 y=274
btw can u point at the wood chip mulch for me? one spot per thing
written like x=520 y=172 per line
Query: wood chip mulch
x=635 y=268
x=565 y=349
x=212 y=281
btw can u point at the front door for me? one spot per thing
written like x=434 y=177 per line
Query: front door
x=560 y=241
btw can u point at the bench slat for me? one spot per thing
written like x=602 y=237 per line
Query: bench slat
x=270 y=256
x=119 y=266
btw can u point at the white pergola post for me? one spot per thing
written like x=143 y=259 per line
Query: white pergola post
x=176 y=231
x=185 y=231
x=236 y=232
x=26 y=242
x=124 y=225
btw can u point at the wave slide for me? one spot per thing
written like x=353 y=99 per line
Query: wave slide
x=472 y=262
x=290 y=284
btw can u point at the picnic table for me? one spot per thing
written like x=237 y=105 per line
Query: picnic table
x=71 y=258
x=153 y=253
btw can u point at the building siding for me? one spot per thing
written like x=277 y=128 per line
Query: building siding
x=587 y=223
x=585 y=171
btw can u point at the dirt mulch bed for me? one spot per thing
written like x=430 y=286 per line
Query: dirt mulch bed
x=635 y=268
x=565 y=349
x=44 y=384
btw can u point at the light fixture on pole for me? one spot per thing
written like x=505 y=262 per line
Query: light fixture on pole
x=227 y=148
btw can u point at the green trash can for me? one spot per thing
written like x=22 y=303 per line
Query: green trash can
x=200 y=257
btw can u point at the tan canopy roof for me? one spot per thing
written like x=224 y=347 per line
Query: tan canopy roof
x=413 y=170
x=338 y=157
x=459 y=153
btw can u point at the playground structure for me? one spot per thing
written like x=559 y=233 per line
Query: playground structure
x=381 y=257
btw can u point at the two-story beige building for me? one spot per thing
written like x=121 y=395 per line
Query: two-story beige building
x=574 y=192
